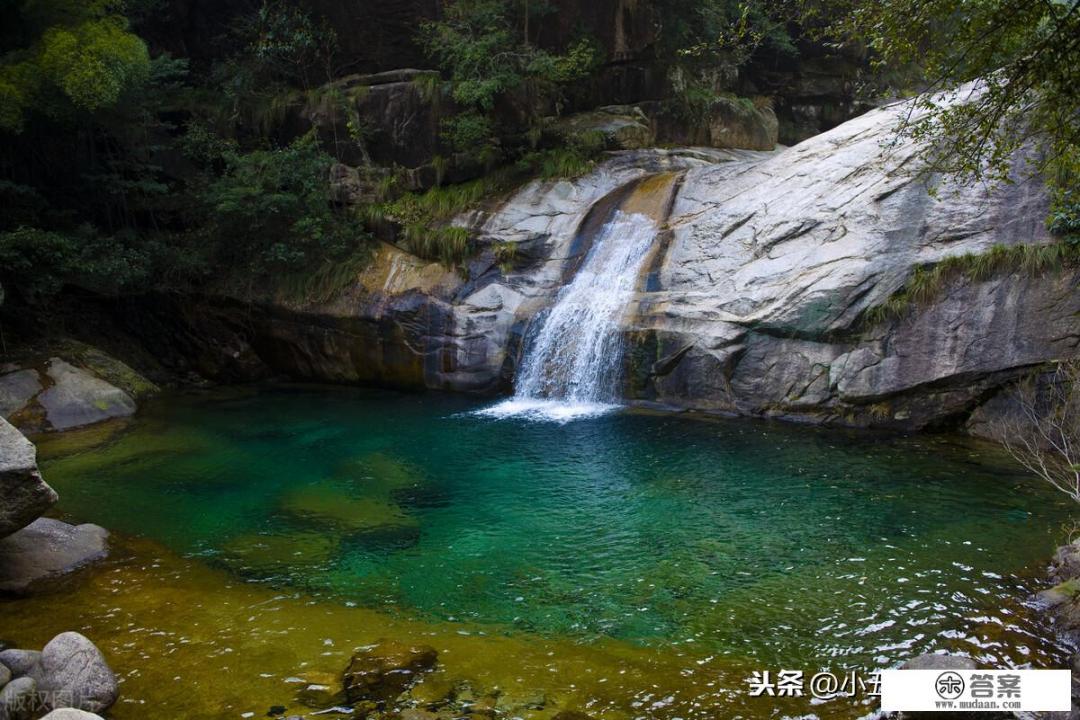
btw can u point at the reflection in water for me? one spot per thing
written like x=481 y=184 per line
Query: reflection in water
x=628 y=538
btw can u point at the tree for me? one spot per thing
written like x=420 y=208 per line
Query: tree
x=999 y=75
x=1042 y=428
x=487 y=61
x=65 y=55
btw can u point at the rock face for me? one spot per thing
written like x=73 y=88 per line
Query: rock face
x=24 y=496
x=756 y=300
x=46 y=549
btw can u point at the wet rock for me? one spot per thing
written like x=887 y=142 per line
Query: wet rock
x=386 y=670
x=47 y=549
x=1061 y=593
x=939 y=661
x=5 y=675
x=17 y=389
x=1066 y=562
x=71 y=714
x=20 y=662
x=75 y=674
x=24 y=496
x=78 y=397
x=18 y=699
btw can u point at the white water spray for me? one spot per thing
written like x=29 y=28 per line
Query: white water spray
x=572 y=366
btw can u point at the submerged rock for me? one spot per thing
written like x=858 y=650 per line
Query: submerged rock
x=24 y=496
x=386 y=670
x=46 y=549
x=75 y=674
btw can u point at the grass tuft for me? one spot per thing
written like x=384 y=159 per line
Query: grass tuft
x=927 y=282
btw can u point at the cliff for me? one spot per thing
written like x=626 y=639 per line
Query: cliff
x=758 y=301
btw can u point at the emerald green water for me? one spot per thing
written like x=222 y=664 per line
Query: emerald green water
x=779 y=544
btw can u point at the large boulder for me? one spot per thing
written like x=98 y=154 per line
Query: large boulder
x=24 y=496
x=386 y=670
x=46 y=549
x=77 y=397
x=75 y=674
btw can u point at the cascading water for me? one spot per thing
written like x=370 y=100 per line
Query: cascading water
x=572 y=365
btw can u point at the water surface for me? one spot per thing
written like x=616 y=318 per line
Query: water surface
x=778 y=543
x=773 y=544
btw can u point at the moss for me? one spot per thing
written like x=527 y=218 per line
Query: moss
x=1068 y=589
x=107 y=368
x=927 y=283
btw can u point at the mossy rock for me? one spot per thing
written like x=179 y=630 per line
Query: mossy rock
x=1060 y=594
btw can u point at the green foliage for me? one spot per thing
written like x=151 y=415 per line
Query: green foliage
x=288 y=43
x=69 y=56
x=724 y=32
x=926 y=283
x=271 y=210
x=485 y=48
x=1022 y=57
x=36 y=264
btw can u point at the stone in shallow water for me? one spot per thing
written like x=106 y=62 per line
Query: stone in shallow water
x=78 y=398
x=74 y=674
x=386 y=670
x=46 y=549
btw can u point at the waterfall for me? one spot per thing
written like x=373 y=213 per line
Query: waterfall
x=572 y=361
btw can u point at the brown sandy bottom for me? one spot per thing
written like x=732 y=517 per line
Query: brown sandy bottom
x=191 y=641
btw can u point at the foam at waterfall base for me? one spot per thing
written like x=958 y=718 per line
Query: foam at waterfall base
x=539 y=410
